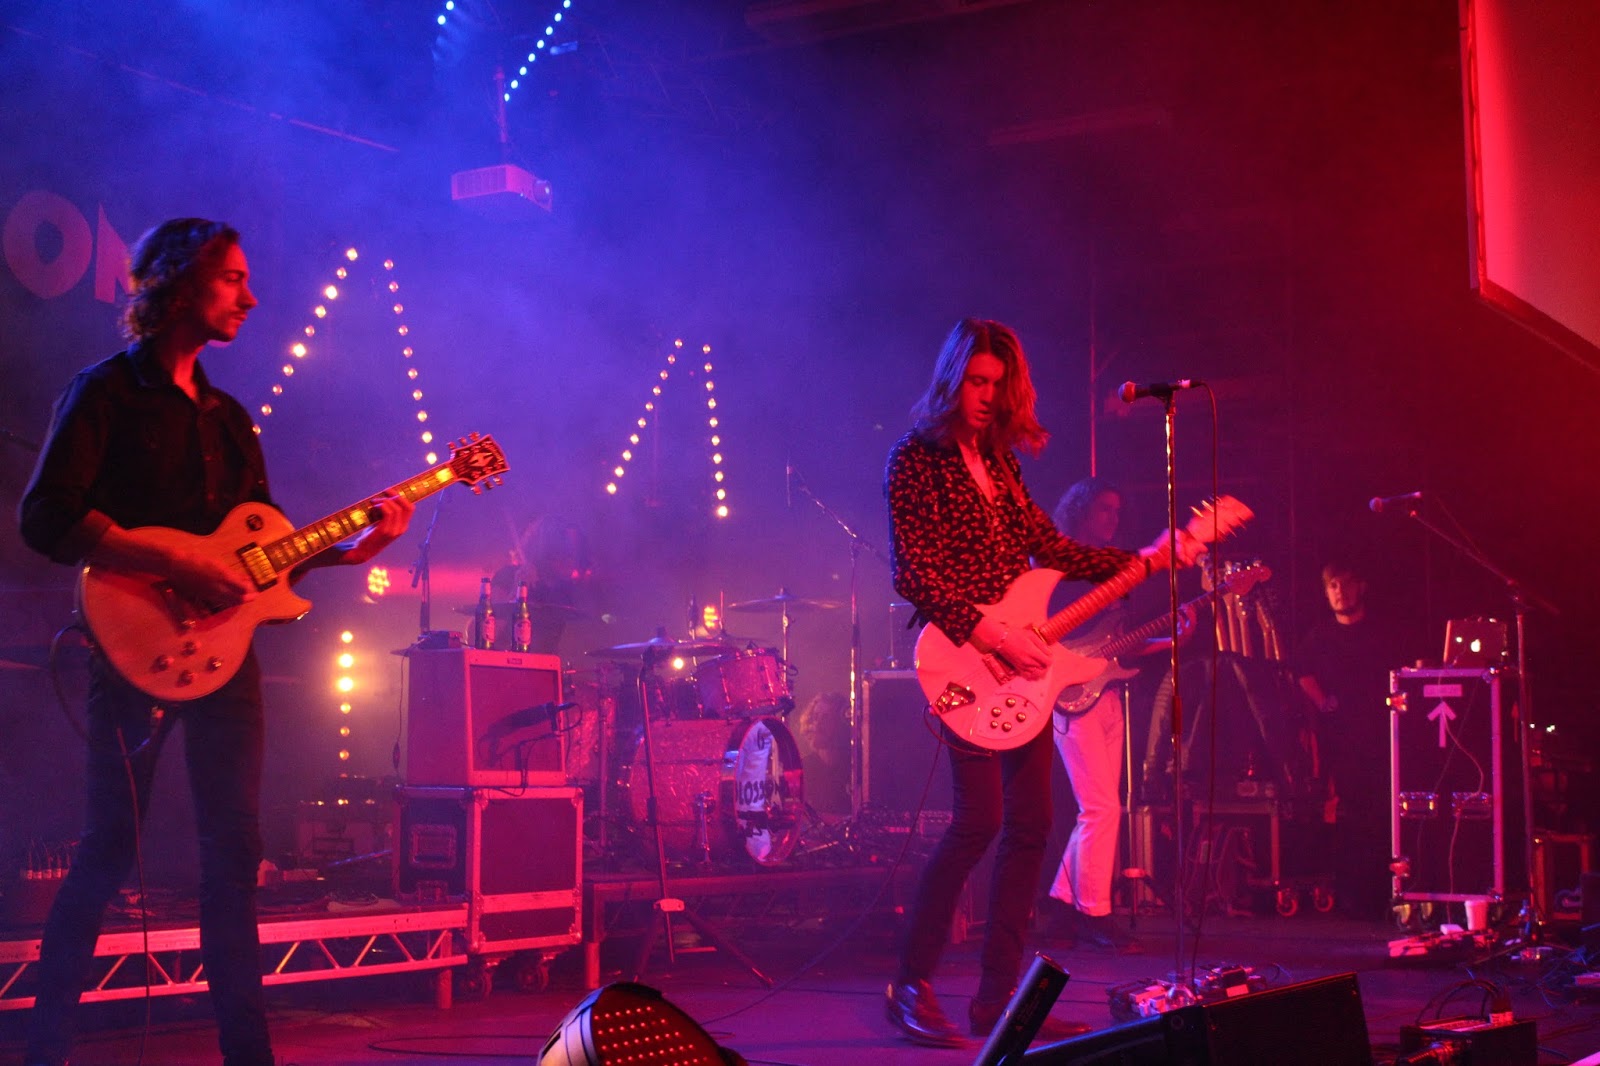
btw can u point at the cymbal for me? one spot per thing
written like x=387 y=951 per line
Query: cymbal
x=537 y=610
x=664 y=646
x=784 y=601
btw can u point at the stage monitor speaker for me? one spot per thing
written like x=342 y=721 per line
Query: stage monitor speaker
x=483 y=719
x=1317 y=1021
x=899 y=746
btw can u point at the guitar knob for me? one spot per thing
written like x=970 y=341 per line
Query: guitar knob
x=161 y=663
x=1005 y=727
x=189 y=647
x=1011 y=701
x=1022 y=716
x=994 y=712
x=994 y=725
x=186 y=678
x=213 y=664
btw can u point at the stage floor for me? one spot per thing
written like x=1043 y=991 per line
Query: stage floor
x=830 y=1013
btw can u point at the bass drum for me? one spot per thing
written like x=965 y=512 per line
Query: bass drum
x=736 y=789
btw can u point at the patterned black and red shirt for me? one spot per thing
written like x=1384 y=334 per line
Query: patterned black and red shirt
x=953 y=549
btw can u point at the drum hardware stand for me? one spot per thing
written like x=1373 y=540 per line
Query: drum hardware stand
x=666 y=905
x=857 y=544
x=1530 y=921
x=702 y=827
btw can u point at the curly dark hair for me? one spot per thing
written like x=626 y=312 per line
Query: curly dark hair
x=1074 y=504
x=1016 y=425
x=161 y=261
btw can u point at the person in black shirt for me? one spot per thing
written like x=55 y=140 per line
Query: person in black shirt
x=143 y=439
x=1343 y=665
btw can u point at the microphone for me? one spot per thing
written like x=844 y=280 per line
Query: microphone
x=1132 y=391
x=1379 y=503
x=788 y=483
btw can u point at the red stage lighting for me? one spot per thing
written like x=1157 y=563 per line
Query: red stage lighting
x=634 y=1024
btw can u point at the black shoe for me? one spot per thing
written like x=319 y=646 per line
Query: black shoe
x=912 y=1009
x=1104 y=932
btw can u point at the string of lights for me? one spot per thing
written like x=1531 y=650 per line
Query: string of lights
x=544 y=44
x=304 y=348
x=714 y=456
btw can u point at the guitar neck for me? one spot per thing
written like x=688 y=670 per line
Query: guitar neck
x=1126 y=642
x=1091 y=603
x=289 y=552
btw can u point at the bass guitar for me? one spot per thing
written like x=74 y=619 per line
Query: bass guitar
x=1111 y=647
x=985 y=702
x=174 y=649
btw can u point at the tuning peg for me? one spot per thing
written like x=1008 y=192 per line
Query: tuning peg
x=474 y=436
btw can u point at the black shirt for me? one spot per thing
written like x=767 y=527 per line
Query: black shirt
x=127 y=445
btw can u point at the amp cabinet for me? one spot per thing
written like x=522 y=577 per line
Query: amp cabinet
x=483 y=718
x=515 y=858
x=899 y=747
x=1455 y=770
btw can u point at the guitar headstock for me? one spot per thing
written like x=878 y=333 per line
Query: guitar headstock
x=1237 y=581
x=1218 y=518
x=478 y=462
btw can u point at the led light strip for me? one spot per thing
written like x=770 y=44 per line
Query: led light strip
x=719 y=491
x=301 y=349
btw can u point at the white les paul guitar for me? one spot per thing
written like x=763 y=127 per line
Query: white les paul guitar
x=982 y=700
x=1111 y=646
x=174 y=649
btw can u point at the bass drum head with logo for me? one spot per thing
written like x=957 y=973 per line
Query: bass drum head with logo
x=743 y=787
x=768 y=789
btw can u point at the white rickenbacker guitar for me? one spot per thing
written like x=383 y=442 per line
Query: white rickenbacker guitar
x=982 y=700
x=1110 y=647
x=173 y=649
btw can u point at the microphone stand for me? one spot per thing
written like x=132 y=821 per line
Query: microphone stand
x=858 y=544
x=422 y=572
x=1522 y=599
x=1169 y=403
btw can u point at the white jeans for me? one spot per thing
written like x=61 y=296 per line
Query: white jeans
x=1091 y=750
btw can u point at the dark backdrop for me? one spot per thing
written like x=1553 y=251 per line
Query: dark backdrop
x=1268 y=198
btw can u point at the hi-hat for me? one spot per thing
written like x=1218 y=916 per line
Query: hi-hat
x=664 y=646
x=784 y=601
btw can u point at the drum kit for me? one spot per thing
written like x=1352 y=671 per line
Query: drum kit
x=711 y=763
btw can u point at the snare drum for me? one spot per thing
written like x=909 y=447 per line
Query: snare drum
x=744 y=786
x=753 y=681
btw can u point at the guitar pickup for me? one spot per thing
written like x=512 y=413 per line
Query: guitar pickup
x=258 y=567
x=953 y=697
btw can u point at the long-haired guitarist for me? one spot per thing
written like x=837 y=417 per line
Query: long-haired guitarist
x=963 y=528
x=143 y=439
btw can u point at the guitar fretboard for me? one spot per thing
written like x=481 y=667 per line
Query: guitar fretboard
x=1093 y=602
x=290 y=551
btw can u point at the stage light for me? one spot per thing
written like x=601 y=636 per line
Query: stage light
x=632 y=1023
x=346 y=637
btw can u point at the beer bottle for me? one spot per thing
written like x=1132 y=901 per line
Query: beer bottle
x=483 y=620
x=522 y=624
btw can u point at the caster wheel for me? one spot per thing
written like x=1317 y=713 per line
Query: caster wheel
x=531 y=974
x=1288 y=902
x=474 y=983
x=1322 y=899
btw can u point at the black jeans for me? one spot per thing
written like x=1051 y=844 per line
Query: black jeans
x=223 y=743
x=1006 y=793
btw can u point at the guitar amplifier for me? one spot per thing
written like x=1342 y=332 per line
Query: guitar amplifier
x=482 y=719
x=899 y=746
